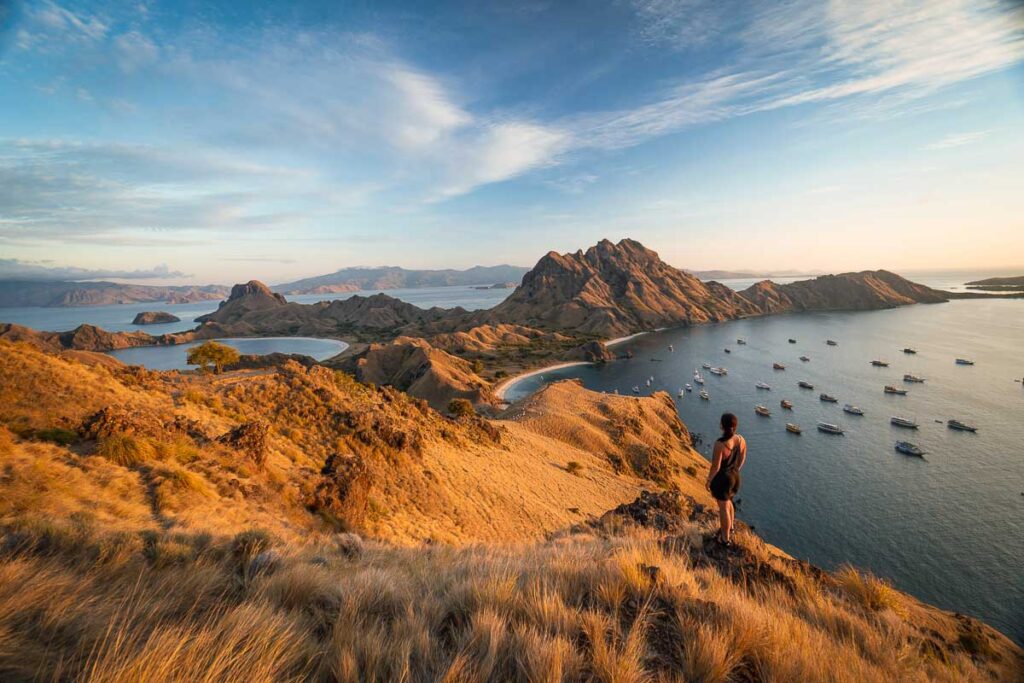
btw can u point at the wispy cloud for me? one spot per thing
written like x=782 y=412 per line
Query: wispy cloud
x=958 y=140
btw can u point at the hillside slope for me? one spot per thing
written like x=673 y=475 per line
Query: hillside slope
x=866 y=290
x=181 y=526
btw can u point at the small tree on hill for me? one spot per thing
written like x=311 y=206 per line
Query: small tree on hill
x=212 y=354
x=461 y=407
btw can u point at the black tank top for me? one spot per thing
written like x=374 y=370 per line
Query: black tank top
x=730 y=462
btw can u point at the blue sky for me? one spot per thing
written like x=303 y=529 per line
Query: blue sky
x=216 y=142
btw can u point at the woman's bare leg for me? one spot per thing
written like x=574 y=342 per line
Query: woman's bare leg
x=723 y=519
x=732 y=521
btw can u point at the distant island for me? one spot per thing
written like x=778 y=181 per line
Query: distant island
x=52 y=293
x=155 y=318
x=394 y=277
x=999 y=284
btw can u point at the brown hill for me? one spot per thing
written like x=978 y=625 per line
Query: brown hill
x=866 y=290
x=84 y=338
x=615 y=289
x=155 y=318
x=419 y=369
x=259 y=312
x=168 y=526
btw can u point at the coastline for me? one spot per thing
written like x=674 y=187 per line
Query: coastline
x=508 y=383
x=500 y=390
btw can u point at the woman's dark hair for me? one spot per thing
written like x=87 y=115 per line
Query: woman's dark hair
x=729 y=424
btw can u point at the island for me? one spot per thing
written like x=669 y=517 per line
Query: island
x=155 y=318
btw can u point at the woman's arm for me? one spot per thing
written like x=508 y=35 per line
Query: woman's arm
x=716 y=462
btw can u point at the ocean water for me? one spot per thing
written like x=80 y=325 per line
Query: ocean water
x=174 y=357
x=948 y=529
x=118 y=318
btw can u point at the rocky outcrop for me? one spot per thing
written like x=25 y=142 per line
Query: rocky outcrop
x=591 y=352
x=613 y=289
x=155 y=318
x=866 y=290
x=253 y=296
x=419 y=369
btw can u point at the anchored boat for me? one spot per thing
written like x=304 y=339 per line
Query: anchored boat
x=909 y=448
x=792 y=341
x=778 y=366
x=741 y=342
x=831 y=342
x=909 y=350
x=890 y=389
x=852 y=410
x=827 y=398
x=762 y=411
x=879 y=363
x=964 y=361
x=793 y=429
x=704 y=395
x=788 y=405
x=829 y=428
x=762 y=385
x=804 y=385
x=913 y=379
x=903 y=422
x=718 y=371
x=961 y=426
x=804 y=358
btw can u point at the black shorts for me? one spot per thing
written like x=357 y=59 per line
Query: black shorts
x=725 y=484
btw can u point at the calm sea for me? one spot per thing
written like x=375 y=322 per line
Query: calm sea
x=948 y=529
x=174 y=357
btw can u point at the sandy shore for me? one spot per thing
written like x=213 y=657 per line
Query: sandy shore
x=500 y=390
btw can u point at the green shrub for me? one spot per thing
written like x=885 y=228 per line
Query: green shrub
x=461 y=407
x=57 y=435
x=124 y=450
x=573 y=467
x=212 y=354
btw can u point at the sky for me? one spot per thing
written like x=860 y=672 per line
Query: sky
x=223 y=141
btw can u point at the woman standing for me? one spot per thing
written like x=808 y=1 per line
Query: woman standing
x=724 y=478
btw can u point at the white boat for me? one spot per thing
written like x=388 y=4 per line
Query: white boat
x=671 y=348
x=762 y=411
x=706 y=366
x=762 y=385
x=909 y=448
x=961 y=426
x=682 y=392
x=793 y=429
x=636 y=390
x=718 y=371
x=704 y=395
x=829 y=428
x=964 y=361
x=852 y=409
x=689 y=387
x=890 y=389
x=903 y=422
x=879 y=363
x=913 y=378
x=828 y=398
x=648 y=382
x=697 y=378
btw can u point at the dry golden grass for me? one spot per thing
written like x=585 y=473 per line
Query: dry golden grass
x=164 y=553
x=193 y=608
